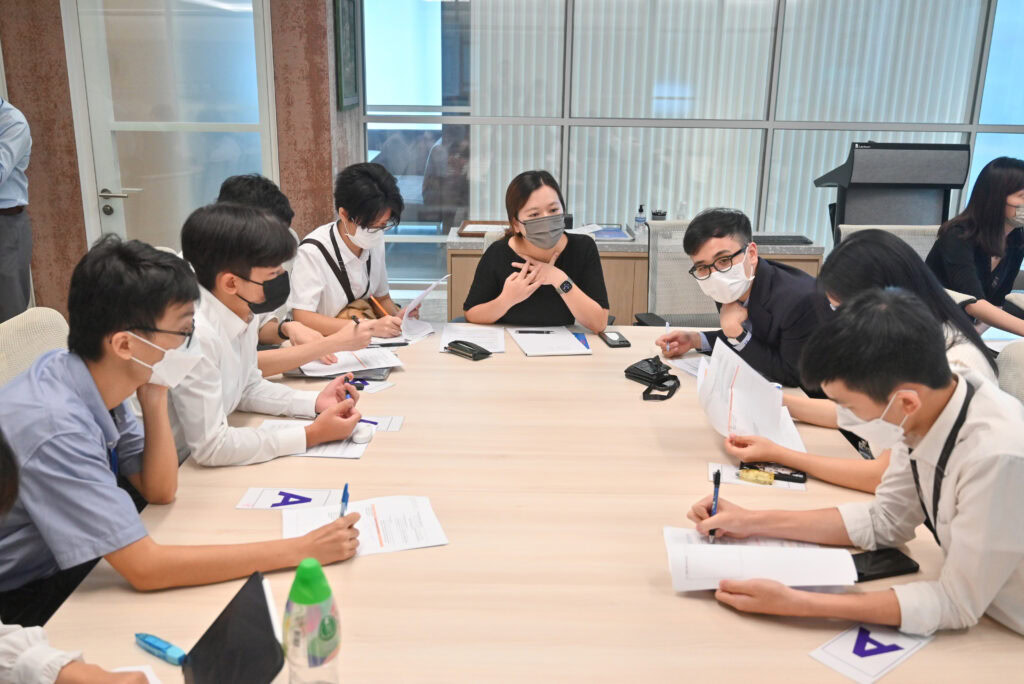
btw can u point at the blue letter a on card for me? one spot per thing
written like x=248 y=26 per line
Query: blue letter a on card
x=866 y=646
x=289 y=499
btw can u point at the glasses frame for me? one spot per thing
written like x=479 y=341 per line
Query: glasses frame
x=714 y=264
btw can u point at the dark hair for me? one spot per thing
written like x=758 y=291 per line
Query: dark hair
x=8 y=476
x=716 y=223
x=983 y=220
x=520 y=189
x=120 y=285
x=365 y=191
x=233 y=238
x=876 y=341
x=875 y=258
x=257 y=191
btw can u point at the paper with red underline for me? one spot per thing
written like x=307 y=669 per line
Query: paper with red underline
x=351 y=361
x=387 y=523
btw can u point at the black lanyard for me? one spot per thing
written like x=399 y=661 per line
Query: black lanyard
x=940 y=467
x=339 y=268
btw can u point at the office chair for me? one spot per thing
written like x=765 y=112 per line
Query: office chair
x=26 y=336
x=1011 y=369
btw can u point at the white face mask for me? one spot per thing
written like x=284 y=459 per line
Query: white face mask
x=363 y=239
x=1018 y=217
x=172 y=368
x=728 y=286
x=878 y=433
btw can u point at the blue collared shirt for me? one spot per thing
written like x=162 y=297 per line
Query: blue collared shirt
x=69 y=508
x=15 y=148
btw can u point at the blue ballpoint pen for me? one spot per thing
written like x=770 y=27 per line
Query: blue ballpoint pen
x=160 y=648
x=714 y=501
x=344 y=500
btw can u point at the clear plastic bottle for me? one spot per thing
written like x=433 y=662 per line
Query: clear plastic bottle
x=640 y=225
x=312 y=632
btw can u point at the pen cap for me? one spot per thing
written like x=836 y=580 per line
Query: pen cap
x=310 y=585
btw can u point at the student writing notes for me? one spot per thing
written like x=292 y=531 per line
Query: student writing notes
x=979 y=251
x=957 y=466
x=767 y=309
x=237 y=252
x=538 y=274
x=339 y=270
x=869 y=259
x=131 y=330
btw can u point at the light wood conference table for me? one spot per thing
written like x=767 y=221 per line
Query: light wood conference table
x=552 y=480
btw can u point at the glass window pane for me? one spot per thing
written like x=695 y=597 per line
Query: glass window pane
x=177 y=60
x=795 y=205
x=448 y=174
x=988 y=146
x=493 y=58
x=879 y=60
x=678 y=59
x=679 y=170
x=1002 y=102
x=177 y=172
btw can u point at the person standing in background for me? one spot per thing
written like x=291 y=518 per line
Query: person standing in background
x=15 y=229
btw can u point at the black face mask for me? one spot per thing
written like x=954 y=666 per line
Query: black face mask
x=275 y=293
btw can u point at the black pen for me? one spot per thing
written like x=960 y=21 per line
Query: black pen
x=391 y=344
x=714 y=502
x=534 y=332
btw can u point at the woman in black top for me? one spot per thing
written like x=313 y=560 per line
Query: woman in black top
x=537 y=274
x=979 y=252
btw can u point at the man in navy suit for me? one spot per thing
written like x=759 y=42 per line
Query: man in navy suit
x=767 y=310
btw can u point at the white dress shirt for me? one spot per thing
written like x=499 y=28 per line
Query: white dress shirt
x=316 y=288
x=225 y=379
x=962 y=354
x=980 y=516
x=27 y=658
x=15 y=151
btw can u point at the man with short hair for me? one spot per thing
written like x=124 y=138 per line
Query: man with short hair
x=278 y=326
x=767 y=310
x=957 y=466
x=15 y=228
x=237 y=254
x=131 y=312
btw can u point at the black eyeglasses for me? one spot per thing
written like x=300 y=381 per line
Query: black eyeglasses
x=187 y=336
x=392 y=223
x=721 y=264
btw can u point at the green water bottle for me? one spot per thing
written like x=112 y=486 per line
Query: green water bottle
x=312 y=633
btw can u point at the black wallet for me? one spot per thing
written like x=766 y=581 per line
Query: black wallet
x=654 y=373
x=467 y=350
x=241 y=645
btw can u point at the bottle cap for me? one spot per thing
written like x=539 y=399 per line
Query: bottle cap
x=310 y=585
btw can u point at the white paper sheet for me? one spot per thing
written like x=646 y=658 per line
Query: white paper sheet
x=291 y=497
x=351 y=361
x=557 y=341
x=387 y=523
x=738 y=400
x=490 y=337
x=414 y=329
x=376 y=386
x=687 y=364
x=997 y=340
x=865 y=653
x=696 y=564
x=386 y=423
x=730 y=475
x=343 y=449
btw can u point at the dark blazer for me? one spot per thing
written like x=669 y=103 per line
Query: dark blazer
x=784 y=309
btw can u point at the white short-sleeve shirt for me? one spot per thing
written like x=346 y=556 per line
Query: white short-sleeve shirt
x=315 y=287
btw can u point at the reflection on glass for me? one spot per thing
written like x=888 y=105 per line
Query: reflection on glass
x=1003 y=102
x=178 y=172
x=678 y=170
x=795 y=205
x=879 y=60
x=988 y=146
x=175 y=60
x=494 y=58
x=678 y=59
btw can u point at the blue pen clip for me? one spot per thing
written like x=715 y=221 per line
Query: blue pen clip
x=160 y=648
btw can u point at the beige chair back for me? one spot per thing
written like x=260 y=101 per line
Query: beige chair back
x=26 y=336
x=492 y=236
x=1011 y=369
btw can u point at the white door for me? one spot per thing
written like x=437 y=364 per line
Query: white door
x=170 y=97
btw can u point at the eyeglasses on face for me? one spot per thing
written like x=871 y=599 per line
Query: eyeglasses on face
x=721 y=264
